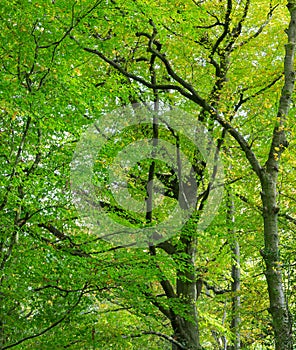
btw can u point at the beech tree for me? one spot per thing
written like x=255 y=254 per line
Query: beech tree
x=227 y=63
x=217 y=41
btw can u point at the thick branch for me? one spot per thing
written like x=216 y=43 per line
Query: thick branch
x=189 y=92
x=190 y=96
x=279 y=142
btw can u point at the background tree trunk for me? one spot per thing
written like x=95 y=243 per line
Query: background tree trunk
x=235 y=275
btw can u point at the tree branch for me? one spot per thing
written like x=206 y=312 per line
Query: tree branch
x=161 y=335
x=54 y=324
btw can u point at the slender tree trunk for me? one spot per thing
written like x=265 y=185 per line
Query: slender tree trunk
x=235 y=274
x=278 y=307
x=235 y=288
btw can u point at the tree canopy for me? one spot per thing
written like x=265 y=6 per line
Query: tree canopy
x=206 y=84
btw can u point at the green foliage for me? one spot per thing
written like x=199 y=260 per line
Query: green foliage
x=62 y=286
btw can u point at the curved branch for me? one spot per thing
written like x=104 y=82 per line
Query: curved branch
x=16 y=162
x=189 y=92
x=191 y=96
x=54 y=324
x=260 y=29
x=243 y=99
x=161 y=335
x=226 y=28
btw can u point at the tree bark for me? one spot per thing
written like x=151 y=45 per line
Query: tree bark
x=235 y=289
x=235 y=274
x=282 y=323
x=186 y=329
x=278 y=307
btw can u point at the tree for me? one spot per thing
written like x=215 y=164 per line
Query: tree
x=219 y=51
x=60 y=283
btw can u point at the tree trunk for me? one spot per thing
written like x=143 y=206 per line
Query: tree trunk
x=235 y=288
x=186 y=329
x=278 y=307
x=282 y=323
x=235 y=275
x=186 y=332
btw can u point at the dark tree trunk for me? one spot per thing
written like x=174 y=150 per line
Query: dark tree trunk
x=186 y=329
